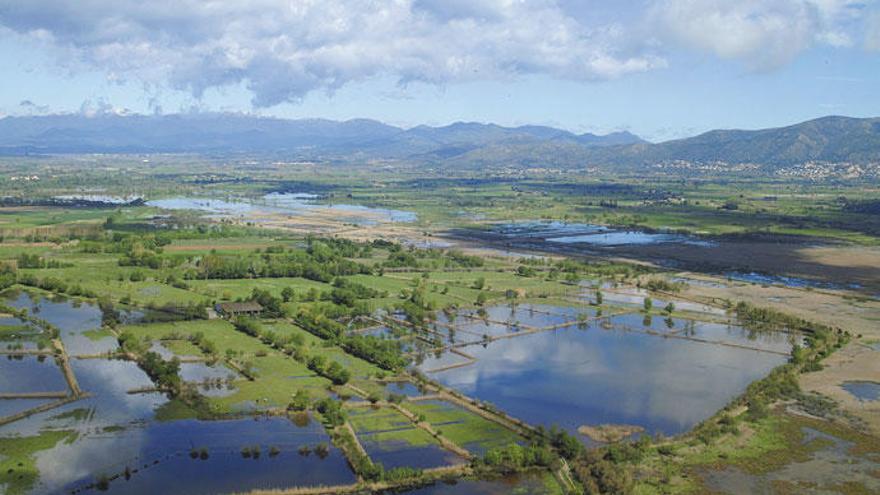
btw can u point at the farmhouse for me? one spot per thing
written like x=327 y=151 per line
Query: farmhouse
x=235 y=309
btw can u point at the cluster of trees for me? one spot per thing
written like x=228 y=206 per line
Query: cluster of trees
x=8 y=276
x=331 y=411
x=109 y=316
x=208 y=347
x=515 y=457
x=346 y=292
x=759 y=318
x=56 y=285
x=334 y=371
x=663 y=285
x=320 y=267
x=383 y=353
x=25 y=260
x=165 y=374
x=416 y=306
x=433 y=259
x=271 y=304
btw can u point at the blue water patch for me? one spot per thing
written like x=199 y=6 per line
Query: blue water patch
x=863 y=390
x=591 y=375
x=592 y=234
x=283 y=203
x=160 y=452
x=800 y=283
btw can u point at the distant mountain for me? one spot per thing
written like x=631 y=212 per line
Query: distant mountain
x=827 y=139
x=219 y=132
x=464 y=145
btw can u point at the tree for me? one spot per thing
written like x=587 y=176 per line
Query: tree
x=648 y=304
x=287 y=294
x=482 y=298
x=669 y=308
x=599 y=297
x=301 y=401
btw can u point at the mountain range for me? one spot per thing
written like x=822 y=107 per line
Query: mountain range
x=460 y=145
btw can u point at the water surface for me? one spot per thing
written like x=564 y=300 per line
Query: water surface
x=863 y=390
x=579 y=376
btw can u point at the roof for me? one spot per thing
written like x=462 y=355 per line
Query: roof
x=240 y=307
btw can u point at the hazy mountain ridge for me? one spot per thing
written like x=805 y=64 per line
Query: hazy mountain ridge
x=459 y=145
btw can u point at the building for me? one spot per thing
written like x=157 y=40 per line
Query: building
x=236 y=309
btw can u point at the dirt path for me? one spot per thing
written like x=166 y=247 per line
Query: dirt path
x=64 y=362
x=42 y=408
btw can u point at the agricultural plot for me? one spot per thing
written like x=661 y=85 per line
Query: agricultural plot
x=391 y=439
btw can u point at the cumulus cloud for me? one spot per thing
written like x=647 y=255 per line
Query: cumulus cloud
x=765 y=34
x=283 y=49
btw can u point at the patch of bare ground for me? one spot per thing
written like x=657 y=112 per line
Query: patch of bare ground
x=834 y=308
x=855 y=362
x=608 y=433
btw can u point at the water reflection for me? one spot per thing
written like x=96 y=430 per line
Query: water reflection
x=161 y=453
x=287 y=204
x=572 y=377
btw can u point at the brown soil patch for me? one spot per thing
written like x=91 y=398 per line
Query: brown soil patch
x=855 y=362
x=608 y=433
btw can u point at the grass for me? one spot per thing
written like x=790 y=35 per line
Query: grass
x=766 y=446
x=18 y=470
x=278 y=376
x=182 y=348
x=242 y=288
x=383 y=425
x=463 y=427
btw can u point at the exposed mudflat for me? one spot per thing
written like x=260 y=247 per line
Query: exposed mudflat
x=846 y=267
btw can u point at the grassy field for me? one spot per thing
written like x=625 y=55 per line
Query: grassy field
x=463 y=427
x=387 y=425
x=18 y=470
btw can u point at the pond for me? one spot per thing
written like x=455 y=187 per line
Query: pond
x=577 y=376
x=863 y=390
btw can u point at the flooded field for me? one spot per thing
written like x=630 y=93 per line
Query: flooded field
x=665 y=376
x=794 y=261
x=590 y=234
x=827 y=464
x=524 y=484
x=293 y=204
x=159 y=457
x=114 y=434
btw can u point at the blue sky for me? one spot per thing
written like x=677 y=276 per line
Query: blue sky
x=659 y=68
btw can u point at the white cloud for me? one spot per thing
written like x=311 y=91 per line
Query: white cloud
x=282 y=49
x=765 y=34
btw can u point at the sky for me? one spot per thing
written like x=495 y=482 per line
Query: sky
x=659 y=68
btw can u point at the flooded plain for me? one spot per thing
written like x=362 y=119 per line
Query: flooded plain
x=623 y=369
x=115 y=434
x=665 y=376
x=279 y=203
